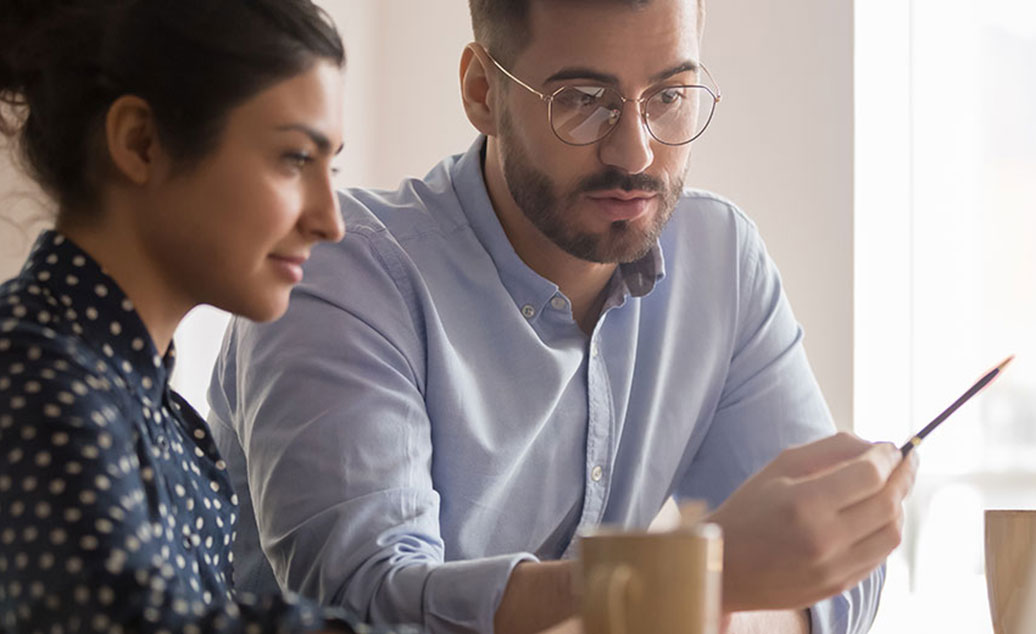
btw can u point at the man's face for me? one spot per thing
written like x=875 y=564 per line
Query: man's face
x=605 y=202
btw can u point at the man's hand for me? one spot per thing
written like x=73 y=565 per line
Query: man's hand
x=812 y=523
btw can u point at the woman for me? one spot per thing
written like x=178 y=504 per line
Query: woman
x=187 y=146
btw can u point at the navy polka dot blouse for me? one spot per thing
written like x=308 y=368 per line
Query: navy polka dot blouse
x=116 y=510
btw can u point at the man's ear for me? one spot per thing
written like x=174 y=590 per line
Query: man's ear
x=476 y=89
x=132 y=139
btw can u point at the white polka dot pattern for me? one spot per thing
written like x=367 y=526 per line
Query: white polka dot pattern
x=115 y=506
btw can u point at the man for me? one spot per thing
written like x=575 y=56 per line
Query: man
x=545 y=334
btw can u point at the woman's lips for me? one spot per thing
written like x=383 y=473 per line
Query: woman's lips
x=290 y=267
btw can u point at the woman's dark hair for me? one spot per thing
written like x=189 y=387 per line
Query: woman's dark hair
x=63 y=62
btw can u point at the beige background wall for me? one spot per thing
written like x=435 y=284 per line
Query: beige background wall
x=23 y=211
x=781 y=145
x=782 y=148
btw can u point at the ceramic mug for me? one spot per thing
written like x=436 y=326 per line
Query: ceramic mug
x=1011 y=570
x=664 y=583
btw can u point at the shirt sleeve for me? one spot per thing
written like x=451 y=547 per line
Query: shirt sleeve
x=770 y=401
x=328 y=405
x=78 y=549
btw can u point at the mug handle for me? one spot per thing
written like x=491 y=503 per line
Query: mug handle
x=610 y=588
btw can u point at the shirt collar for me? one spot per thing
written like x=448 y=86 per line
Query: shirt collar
x=527 y=287
x=93 y=306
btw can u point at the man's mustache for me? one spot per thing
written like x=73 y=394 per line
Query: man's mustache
x=614 y=179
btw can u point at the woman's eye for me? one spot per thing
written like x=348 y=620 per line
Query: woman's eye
x=298 y=159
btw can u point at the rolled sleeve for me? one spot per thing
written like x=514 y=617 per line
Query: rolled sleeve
x=339 y=449
x=464 y=595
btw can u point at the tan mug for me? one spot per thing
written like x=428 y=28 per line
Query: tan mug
x=1011 y=570
x=664 y=583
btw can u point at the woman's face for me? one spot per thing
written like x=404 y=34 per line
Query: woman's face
x=234 y=230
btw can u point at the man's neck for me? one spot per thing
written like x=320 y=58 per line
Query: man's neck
x=582 y=282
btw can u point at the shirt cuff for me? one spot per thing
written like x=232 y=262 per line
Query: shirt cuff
x=851 y=612
x=830 y=616
x=464 y=595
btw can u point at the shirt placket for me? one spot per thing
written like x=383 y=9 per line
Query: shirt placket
x=600 y=415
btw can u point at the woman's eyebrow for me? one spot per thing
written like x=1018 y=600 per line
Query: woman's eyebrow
x=319 y=138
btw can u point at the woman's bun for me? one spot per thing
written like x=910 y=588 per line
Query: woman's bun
x=39 y=37
x=63 y=62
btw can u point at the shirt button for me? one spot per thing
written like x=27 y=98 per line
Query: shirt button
x=529 y=311
x=596 y=473
x=595 y=350
x=558 y=302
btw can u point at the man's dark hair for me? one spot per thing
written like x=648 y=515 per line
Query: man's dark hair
x=502 y=26
x=63 y=63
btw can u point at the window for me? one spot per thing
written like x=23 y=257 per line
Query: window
x=946 y=279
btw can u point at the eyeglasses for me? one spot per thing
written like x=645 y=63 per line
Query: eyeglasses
x=582 y=115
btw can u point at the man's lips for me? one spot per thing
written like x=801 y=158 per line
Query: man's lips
x=619 y=204
x=623 y=194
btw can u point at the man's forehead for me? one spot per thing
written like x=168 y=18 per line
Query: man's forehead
x=619 y=38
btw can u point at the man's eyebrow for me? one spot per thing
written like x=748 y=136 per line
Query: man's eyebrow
x=689 y=65
x=319 y=138
x=578 y=72
x=581 y=72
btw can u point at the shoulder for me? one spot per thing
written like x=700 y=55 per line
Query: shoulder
x=704 y=208
x=415 y=208
x=52 y=380
x=391 y=235
x=707 y=225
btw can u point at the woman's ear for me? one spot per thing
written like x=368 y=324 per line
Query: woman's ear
x=132 y=139
x=476 y=89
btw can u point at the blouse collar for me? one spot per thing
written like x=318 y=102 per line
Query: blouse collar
x=92 y=305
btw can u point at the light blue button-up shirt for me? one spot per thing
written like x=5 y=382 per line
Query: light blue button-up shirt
x=428 y=414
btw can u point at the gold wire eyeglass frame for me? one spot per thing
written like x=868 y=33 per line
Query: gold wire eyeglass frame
x=640 y=102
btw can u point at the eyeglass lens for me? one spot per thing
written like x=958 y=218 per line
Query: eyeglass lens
x=674 y=114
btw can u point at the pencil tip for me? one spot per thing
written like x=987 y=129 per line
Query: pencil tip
x=1003 y=364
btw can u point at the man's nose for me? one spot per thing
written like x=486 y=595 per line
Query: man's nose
x=628 y=146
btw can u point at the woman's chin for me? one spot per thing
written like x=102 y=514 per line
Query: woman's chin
x=270 y=307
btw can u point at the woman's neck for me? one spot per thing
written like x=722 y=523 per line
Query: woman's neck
x=123 y=257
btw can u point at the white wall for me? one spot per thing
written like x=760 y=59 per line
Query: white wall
x=781 y=145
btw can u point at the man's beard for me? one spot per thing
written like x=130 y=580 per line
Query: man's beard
x=535 y=194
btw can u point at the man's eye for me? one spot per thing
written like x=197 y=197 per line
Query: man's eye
x=590 y=97
x=670 y=96
x=581 y=97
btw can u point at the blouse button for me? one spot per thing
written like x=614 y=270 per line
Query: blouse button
x=163 y=443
